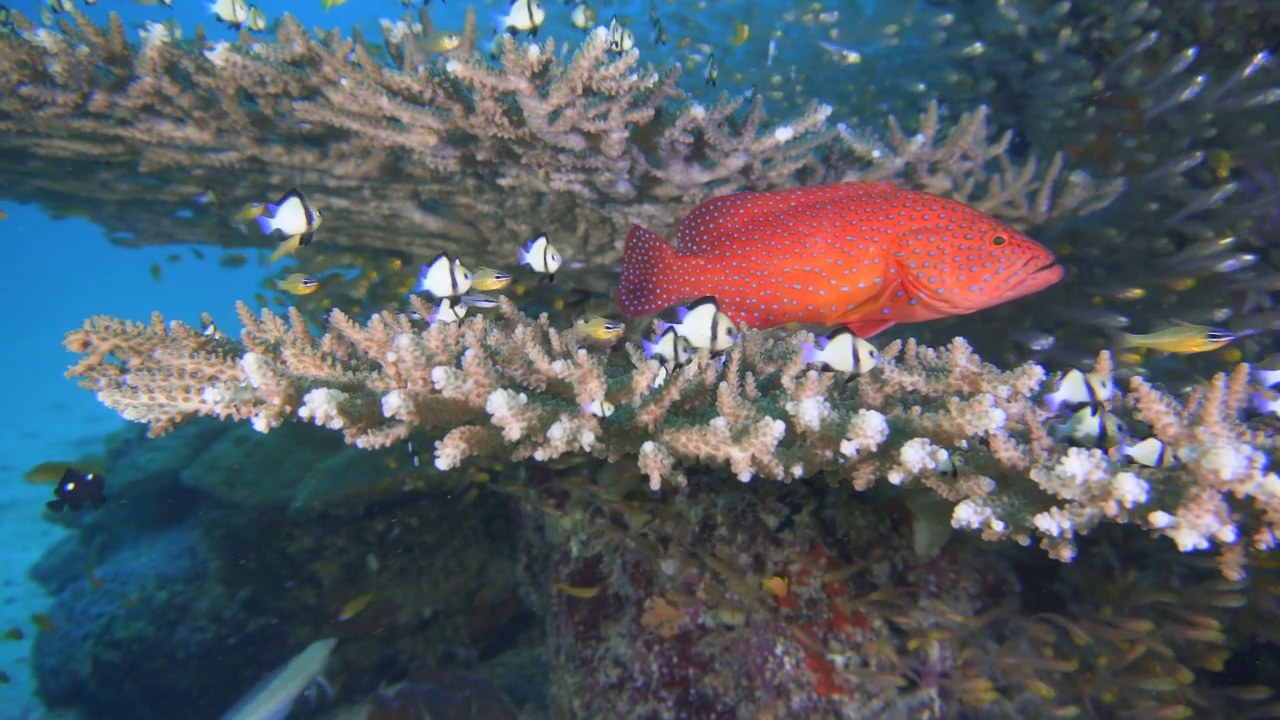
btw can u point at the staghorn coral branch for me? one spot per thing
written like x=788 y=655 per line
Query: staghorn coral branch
x=447 y=152
x=512 y=387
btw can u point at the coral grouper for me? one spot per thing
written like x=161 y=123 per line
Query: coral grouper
x=862 y=255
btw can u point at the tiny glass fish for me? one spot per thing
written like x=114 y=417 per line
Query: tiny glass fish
x=1181 y=338
x=76 y=490
x=444 y=277
x=298 y=284
x=541 y=257
x=599 y=328
x=487 y=279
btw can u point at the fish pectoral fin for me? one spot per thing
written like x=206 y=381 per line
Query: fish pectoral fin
x=867 y=328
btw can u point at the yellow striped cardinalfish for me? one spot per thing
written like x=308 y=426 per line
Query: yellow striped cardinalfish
x=298 y=284
x=1181 y=338
x=599 y=328
x=771 y=258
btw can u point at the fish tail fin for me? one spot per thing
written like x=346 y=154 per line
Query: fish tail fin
x=645 y=287
x=267 y=224
x=810 y=353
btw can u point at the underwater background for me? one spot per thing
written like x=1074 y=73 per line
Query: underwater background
x=226 y=560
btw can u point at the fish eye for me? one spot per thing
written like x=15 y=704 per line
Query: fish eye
x=999 y=240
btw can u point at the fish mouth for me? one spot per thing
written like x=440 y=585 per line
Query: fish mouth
x=1037 y=275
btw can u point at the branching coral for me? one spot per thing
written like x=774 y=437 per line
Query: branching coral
x=455 y=148
x=511 y=387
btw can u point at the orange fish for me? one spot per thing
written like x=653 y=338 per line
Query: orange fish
x=863 y=255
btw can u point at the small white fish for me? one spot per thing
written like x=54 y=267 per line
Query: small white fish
x=541 y=257
x=583 y=17
x=712 y=73
x=1152 y=452
x=599 y=408
x=291 y=215
x=479 y=301
x=1090 y=426
x=232 y=12
x=842 y=351
x=620 y=38
x=523 y=16
x=444 y=278
x=1076 y=388
x=703 y=325
x=1266 y=378
x=272 y=700
x=448 y=312
x=670 y=347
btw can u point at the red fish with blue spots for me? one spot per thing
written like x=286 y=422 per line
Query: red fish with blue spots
x=862 y=255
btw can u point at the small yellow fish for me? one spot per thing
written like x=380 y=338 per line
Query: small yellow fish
x=741 y=31
x=3 y=216
x=332 y=3
x=61 y=6
x=353 y=608
x=442 y=41
x=599 y=328
x=44 y=623
x=287 y=246
x=582 y=593
x=1181 y=338
x=299 y=284
x=249 y=211
x=233 y=260
x=208 y=196
x=487 y=279
x=777 y=586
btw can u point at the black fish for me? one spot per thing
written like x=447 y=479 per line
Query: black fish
x=77 y=489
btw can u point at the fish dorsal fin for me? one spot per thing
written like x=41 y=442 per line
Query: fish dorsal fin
x=718 y=224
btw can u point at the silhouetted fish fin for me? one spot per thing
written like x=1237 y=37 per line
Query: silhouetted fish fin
x=646 y=267
x=867 y=328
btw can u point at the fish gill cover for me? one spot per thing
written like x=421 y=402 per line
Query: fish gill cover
x=1016 y=108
